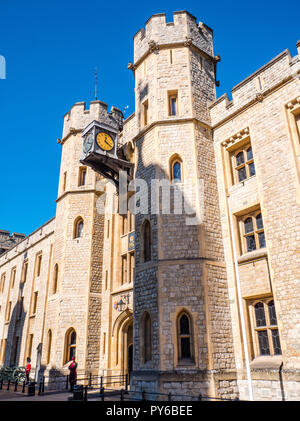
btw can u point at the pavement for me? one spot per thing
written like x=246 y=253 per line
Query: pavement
x=10 y=395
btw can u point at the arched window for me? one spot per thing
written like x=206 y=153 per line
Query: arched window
x=55 y=279
x=147 y=337
x=176 y=169
x=78 y=228
x=185 y=339
x=146 y=241
x=70 y=345
x=49 y=343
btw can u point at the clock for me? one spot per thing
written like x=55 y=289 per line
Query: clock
x=88 y=143
x=105 y=141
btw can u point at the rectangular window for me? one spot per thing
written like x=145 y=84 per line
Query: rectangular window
x=173 y=103
x=24 y=272
x=82 y=176
x=264 y=327
x=2 y=282
x=38 y=264
x=252 y=232
x=242 y=162
x=13 y=277
x=145 y=113
x=20 y=308
x=131 y=267
x=29 y=346
x=124 y=269
x=124 y=224
x=3 y=349
x=65 y=181
x=34 y=302
x=8 y=311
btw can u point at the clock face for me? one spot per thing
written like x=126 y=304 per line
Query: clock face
x=105 y=141
x=88 y=143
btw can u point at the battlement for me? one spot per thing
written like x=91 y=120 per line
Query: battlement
x=256 y=86
x=7 y=240
x=79 y=116
x=183 y=28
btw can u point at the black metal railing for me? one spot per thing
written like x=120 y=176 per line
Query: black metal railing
x=95 y=387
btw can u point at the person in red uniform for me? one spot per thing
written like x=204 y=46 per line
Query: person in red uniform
x=73 y=374
x=28 y=368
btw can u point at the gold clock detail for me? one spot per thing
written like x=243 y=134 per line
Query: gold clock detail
x=105 y=141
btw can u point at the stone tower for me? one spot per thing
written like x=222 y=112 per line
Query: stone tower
x=77 y=257
x=182 y=286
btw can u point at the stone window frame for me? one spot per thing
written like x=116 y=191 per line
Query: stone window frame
x=82 y=173
x=64 y=183
x=256 y=231
x=13 y=274
x=55 y=278
x=8 y=311
x=38 y=264
x=146 y=338
x=76 y=233
x=173 y=94
x=230 y=148
x=49 y=345
x=143 y=245
x=24 y=271
x=69 y=345
x=2 y=282
x=34 y=303
x=124 y=269
x=175 y=159
x=185 y=361
x=145 y=112
x=3 y=350
x=254 y=329
x=246 y=164
x=29 y=343
x=293 y=117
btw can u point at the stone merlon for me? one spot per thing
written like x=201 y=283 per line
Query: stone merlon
x=183 y=28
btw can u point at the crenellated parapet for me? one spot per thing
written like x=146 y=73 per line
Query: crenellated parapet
x=257 y=86
x=79 y=116
x=184 y=31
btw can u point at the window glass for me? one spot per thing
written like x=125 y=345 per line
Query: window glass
x=272 y=313
x=249 y=154
x=185 y=348
x=173 y=106
x=276 y=342
x=251 y=169
x=259 y=221
x=248 y=223
x=263 y=342
x=242 y=174
x=261 y=239
x=260 y=315
x=184 y=325
x=177 y=172
x=239 y=158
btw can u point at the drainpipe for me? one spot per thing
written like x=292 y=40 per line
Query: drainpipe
x=243 y=324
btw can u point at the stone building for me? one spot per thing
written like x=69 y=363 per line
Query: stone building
x=188 y=302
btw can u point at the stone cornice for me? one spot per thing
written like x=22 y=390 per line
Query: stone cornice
x=171 y=121
x=188 y=42
x=66 y=193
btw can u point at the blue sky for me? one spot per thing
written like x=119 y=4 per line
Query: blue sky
x=51 y=50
